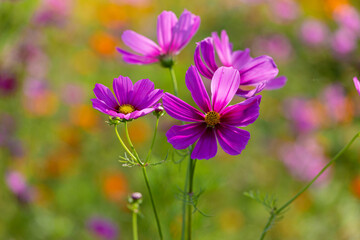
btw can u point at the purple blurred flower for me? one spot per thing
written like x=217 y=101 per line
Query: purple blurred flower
x=304 y=114
x=8 y=84
x=132 y=100
x=103 y=228
x=343 y=41
x=52 y=12
x=348 y=17
x=18 y=186
x=334 y=99
x=276 y=45
x=314 y=32
x=34 y=87
x=285 y=10
x=254 y=72
x=73 y=94
x=357 y=84
x=173 y=35
x=304 y=159
x=216 y=121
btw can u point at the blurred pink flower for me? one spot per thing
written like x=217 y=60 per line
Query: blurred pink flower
x=18 y=186
x=34 y=87
x=276 y=45
x=304 y=114
x=285 y=10
x=8 y=83
x=103 y=228
x=335 y=101
x=304 y=159
x=52 y=12
x=173 y=35
x=73 y=94
x=348 y=17
x=314 y=32
x=344 y=41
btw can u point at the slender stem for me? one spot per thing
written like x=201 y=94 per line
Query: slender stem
x=134 y=225
x=152 y=202
x=123 y=144
x=173 y=77
x=268 y=225
x=185 y=198
x=153 y=140
x=190 y=195
x=278 y=211
x=130 y=143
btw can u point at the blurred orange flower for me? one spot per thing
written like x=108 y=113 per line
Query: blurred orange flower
x=59 y=162
x=355 y=186
x=115 y=186
x=84 y=116
x=44 y=104
x=112 y=14
x=103 y=43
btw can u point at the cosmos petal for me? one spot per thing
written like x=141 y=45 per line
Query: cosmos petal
x=224 y=84
x=181 y=137
x=206 y=147
x=232 y=140
x=180 y=110
x=196 y=86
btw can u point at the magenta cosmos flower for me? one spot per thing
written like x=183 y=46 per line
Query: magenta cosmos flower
x=217 y=120
x=257 y=73
x=103 y=228
x=173 y=35
x=132 y=100
x=357 y=84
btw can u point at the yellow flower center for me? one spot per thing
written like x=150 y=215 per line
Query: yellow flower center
x=126 y=108
x=212 y=118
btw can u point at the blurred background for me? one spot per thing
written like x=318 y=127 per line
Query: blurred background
x=59 y=172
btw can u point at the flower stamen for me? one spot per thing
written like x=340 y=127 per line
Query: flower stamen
x=126 y=108
x=212 y=118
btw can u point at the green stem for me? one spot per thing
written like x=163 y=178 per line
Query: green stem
x=173 y=78
x=152 y=202
x=153 y=141
x=185 y=198
x=190 y=195
x=278 y=211
x=268 y=225
x=130 y=143
x=134 y=224
x=123 y=144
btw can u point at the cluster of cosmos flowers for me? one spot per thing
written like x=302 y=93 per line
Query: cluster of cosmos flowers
x=216 y=121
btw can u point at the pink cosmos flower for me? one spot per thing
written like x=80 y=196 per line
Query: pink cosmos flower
x=304 y=159
x=276 y=45
x=314 y=32
x=173 y=35
x=217 y=120
x=132 y=100
x=305 y=115
x=18 y=186
x=347 y=16
x=285 y=10
x=258 y=73
x=103 y=228
x=344 y=41
x=336 y=102
x=357 y=84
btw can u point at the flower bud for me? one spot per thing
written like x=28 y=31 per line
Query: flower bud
x=159 y=111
